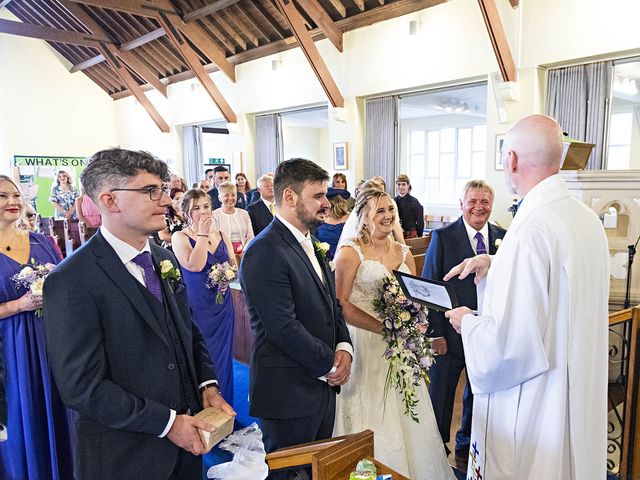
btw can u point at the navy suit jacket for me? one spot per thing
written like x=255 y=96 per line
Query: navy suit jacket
x=114 y=363
x=448 y=247
x=215 y=200
x=297 y=322
x=260 y=216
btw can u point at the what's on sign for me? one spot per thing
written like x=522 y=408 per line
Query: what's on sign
x=30 y=161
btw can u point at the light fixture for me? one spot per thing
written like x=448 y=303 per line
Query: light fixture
x=455 y=105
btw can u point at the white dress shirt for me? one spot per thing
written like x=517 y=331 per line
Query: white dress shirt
x=471 y=233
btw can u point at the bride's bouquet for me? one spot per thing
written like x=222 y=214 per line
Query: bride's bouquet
x=408 y=350
x=32 y=277
x=220 y=276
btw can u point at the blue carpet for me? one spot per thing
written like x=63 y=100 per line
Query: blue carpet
x=241 y=406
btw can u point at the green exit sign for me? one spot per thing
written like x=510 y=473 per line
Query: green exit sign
x=216 y=161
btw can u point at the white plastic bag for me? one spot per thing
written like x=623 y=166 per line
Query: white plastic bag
x=248 y=456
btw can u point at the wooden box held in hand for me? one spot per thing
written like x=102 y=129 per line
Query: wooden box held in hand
x=220 y=420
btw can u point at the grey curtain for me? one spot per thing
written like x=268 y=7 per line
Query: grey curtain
x=192 y=154
x=268 y=145
x=578 y=97
x=381 y=139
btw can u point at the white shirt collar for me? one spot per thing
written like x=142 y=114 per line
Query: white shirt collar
x=125 y=252
x=471 y=233
x=300 y=237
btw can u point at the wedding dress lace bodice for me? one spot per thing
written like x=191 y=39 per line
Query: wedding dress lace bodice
x=413 y=449
x=370 y=273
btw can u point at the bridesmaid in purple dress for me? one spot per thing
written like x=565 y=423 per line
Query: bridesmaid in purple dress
x=198 y=247
x=38 y=444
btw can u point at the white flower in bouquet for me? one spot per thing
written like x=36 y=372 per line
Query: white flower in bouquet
x=219 y=277
x=230 y=274
x=25 y=272
x=36 y=287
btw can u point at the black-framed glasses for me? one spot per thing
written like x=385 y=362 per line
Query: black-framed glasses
x=155 y=193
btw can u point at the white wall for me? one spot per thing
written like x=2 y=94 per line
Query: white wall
x=45 y=110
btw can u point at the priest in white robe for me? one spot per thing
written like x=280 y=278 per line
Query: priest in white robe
x=537 y=351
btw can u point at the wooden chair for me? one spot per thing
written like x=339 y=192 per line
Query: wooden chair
x=419 y=260
x=432 y=222
x=71 y=236
x=419 y=245
x=332 y=459
x=86 y=232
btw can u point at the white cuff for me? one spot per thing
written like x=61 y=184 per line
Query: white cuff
x=345 y=346
x=172 y=419
x=208 y=382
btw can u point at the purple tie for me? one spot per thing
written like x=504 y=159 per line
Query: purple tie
x=143 y=260
x=480 y=246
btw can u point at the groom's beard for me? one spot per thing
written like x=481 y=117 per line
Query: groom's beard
x=308 y=219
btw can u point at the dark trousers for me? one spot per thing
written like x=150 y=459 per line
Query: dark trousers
x=278 y=434
x=188 y=467
x=444 y=375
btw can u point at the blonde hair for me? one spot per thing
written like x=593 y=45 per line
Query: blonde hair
x=226 y=187
x=477 y=185
x=339 y=207
x=188 y=199
x=367 y=201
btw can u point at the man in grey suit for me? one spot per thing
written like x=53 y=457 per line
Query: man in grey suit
x=123 y=349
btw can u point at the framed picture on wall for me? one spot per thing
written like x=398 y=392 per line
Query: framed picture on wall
x=499 y=141
x=340 y=157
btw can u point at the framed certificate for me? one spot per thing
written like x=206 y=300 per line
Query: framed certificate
x=433 y=294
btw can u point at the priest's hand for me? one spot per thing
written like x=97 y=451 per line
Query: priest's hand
x=455 y=316
x=184 y=433
x=211 y=398
x=479 y=265
x=342 y=366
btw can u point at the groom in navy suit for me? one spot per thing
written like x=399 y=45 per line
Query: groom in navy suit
x=471 y=234
x=123 y=349
x=302 y=351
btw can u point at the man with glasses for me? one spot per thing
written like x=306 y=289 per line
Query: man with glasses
x=123 y=349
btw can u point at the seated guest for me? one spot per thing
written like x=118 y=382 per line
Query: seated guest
x=198 y=247
x=87 y=211
x=220 y=174
x=335 y=219
x=263 y=210
x=243 y=188
x=203 y=185
x=174 y=218
x=235 y=222
x=123 y=348
x=38 y=443
x=339 y=181
x=63 y=196
x=410 y=210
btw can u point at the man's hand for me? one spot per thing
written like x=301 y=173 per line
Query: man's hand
x=342 y=364
x=211 y=398
x=439 y=345
x=455 y=316
x=479 y=265
x=184 y=433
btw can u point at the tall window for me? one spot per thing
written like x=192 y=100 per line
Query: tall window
x=442 y=160
x=619 y=150
x=443 y=141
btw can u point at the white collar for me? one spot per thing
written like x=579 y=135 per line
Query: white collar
x=268 y=203
x=300 y=237
x=125 y=252
x=471 y=232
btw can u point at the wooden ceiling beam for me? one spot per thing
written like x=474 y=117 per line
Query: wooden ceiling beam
x=212 y=29
x=339 y=7
x=359 y=4
x=208 y=10
x=142 y=71
x=251 y=22
x=272 y=22
x=193 y=62
x=498 y=39
x=323 y=21
x=201 y=39
x=230 y=31
x=290 y=12
x=50 y=34
x=243 y=28
x=148 y=8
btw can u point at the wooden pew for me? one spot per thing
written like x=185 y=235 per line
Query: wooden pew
x=56 y=231
x=71 y=236
x=419 y=245
x=419 y=260
x=86 y=232
x=331 y=459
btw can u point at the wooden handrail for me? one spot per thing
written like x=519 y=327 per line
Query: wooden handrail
x=620 y=316
x=299 y=454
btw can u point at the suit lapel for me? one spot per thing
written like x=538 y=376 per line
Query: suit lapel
x=288 y=237
x=492 y=239
x=110 y=263
x=462 y=237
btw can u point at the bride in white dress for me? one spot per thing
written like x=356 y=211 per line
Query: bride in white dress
x=413 y=449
